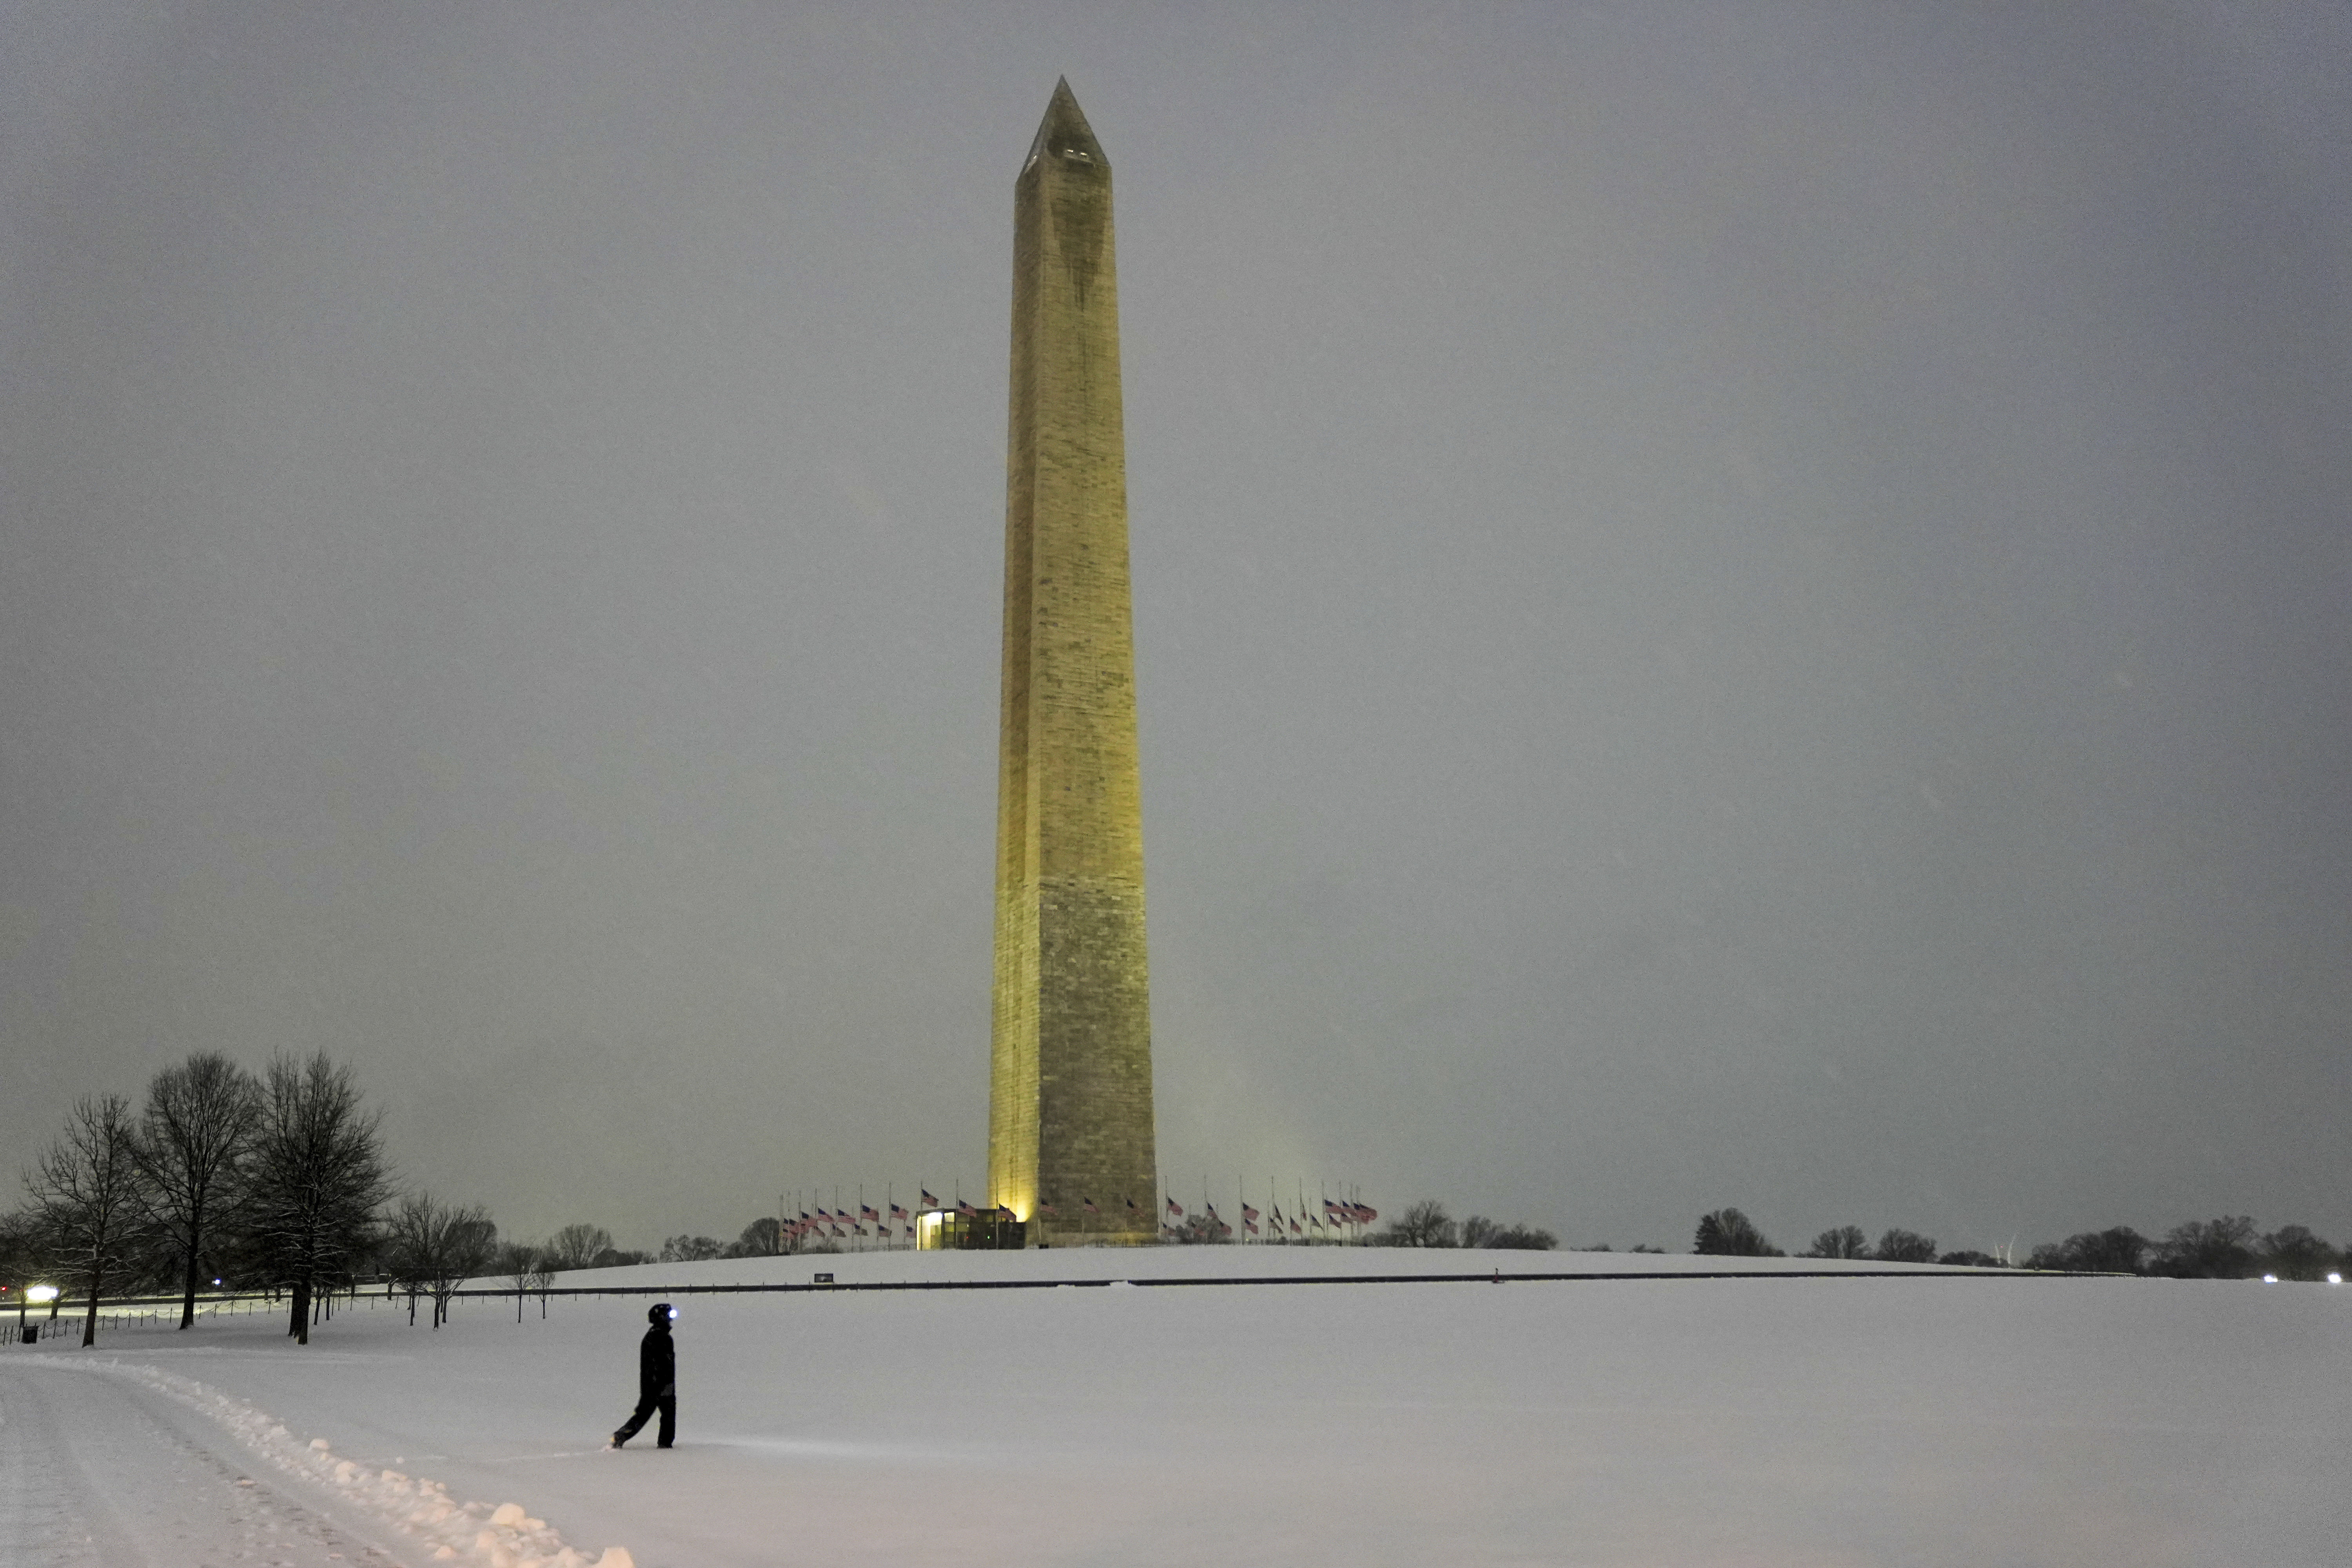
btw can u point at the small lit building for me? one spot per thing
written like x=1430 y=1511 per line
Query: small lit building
x=980 y=1230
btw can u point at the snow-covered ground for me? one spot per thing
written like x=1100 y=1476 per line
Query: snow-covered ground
x=1928 y=1420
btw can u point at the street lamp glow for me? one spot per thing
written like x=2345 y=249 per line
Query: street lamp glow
x=40 y=1293
x=2269 y=1279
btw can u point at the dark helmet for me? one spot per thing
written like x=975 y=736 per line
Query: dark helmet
x=660 y=1312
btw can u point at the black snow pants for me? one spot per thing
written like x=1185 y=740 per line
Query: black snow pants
x=666 y=1402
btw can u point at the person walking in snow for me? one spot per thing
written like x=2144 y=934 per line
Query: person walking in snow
x=657 y=1380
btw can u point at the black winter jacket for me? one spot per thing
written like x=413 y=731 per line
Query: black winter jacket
x=656 y=1364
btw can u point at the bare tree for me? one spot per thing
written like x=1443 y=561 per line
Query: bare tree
x=1845 y=1241
x=2219 y=1248
x=1480 y=1231
x=1728 y=1233
x=25 y=1253
x=532 y=1274
x=436 y=1248
x=1904 y=1246
x=317 y=1176
x=199 y=1119
x=763 y=1237
x=471 y=1242
x=2293 y=1252
x=1424 y=1224
x=406 y=1248
x=21 y=1257
x=577 y=1246
x=20 y=1250
x=2119 y=1250
x=91 y=1199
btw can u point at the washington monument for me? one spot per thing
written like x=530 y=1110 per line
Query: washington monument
x=1069 y=1120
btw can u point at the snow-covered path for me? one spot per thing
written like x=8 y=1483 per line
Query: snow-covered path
x=108 y=1470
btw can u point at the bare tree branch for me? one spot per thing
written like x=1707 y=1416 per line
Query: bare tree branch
x=436 y=1248
x=92 y=1198
x=199 y=1120
x=317 y=1176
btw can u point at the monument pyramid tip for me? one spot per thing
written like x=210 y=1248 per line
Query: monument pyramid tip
x=1065 y=128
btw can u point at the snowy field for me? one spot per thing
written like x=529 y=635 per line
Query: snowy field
x=1936 y=1419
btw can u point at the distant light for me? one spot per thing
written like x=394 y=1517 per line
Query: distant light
x=672 y=1314
x=2336 y=1279
x=2269 y=1279
x=40 y=1293
x=216 y=1281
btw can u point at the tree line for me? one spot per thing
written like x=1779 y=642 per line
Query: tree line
x=275 y=1178
x=275 y=1181
x=1427 y=1224
x=2230 y=1247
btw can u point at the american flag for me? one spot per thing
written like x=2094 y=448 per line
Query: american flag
x=866 y=1211
x=929 y=1201
x=897 y=1211
x=1001 y=1212
x=1088 y=1204
x=1130 y=1203
x=964 y=1208
x=1249 y=1225
x=1295 y=1230
x=1248 y=1213
x=1044 y=1208
x=1175 y=1208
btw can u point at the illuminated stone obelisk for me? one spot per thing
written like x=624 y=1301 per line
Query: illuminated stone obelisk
x=1069 y=1120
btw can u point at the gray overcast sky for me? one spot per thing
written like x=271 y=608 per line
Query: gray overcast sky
x=1735 y=604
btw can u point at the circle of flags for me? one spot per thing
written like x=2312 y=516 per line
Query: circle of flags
x=893 y=1224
